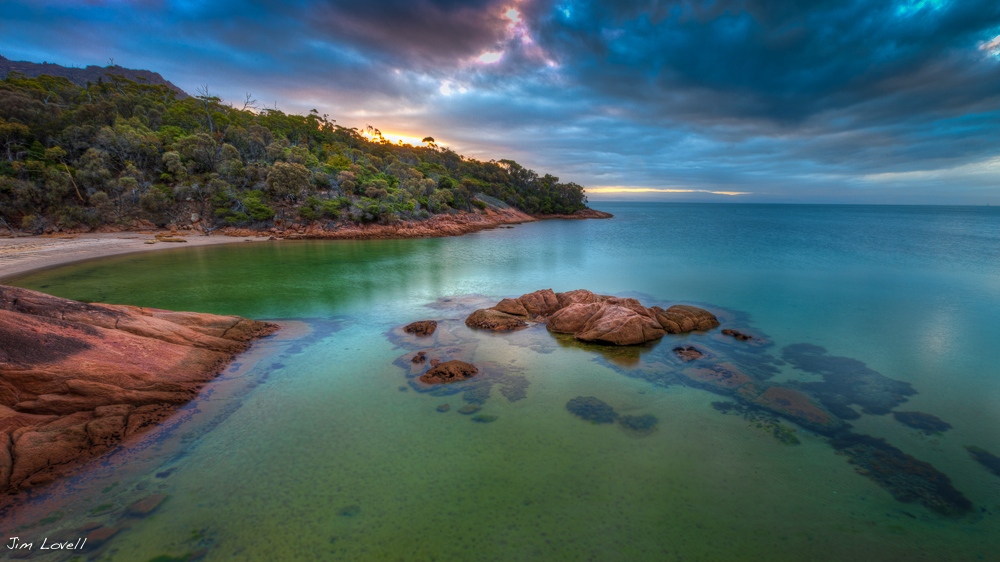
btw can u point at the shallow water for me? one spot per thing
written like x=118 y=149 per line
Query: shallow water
x=317 y=447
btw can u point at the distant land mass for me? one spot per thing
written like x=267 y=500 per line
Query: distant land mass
x=80 y=76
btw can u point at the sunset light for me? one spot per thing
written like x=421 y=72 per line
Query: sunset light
x=614 y=189
x=490 y=57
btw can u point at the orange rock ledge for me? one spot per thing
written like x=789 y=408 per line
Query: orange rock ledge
x=76 y=378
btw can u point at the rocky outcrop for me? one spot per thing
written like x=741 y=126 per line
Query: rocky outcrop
x=595 y=318
x=421 y=328
x=494 y=320
x=448 y=372
x=76 y=378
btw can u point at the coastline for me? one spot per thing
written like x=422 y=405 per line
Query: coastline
x=28 y=254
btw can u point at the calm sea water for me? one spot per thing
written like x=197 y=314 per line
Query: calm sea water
x=314 y=446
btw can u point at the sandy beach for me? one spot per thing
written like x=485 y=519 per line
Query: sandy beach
x=28 y=253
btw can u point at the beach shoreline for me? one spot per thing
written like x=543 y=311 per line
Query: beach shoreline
x=24 y=255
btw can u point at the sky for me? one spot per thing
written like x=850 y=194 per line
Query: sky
x=857 y=101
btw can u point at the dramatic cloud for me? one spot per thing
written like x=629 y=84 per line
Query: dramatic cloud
x=858 y=101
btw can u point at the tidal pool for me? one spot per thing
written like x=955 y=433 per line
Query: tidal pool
x=315 y=445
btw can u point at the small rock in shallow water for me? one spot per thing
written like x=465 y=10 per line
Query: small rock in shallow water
x=738 y=335
x=469 y=409
x=448 y=372
x=485 y=418
x=443 y=408
x=421 y=328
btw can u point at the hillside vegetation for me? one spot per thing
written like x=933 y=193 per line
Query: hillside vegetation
x=122 y=153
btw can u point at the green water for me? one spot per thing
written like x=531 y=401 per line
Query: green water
x=314 y=446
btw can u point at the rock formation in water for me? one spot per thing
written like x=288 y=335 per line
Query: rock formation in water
x=449 y=372
x=593 y=318
x=76 y=378
x=421 y=328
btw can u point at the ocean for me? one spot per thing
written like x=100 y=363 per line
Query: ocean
x=318 y=445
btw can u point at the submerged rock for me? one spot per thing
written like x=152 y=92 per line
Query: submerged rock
x=146 y=505
x=846 y=381
x=421 y=328
x=640 y=424
x=444 y=408
x=469 y=409
x=592 y=409
x=924 y=422
x=985 y=458
x=738 y=335
x=689 y=353
x=905 y=477
x=449 y=372
x=76 y=378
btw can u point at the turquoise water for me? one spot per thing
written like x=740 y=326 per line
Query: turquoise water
x=315 y=446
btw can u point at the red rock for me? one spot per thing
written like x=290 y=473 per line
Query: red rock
x=146 y=505
x=573 y=318
x=722 y=375
x=673 y=323
x=619 y=325
x=73 y=374
x=738 y=335
x=794 y=404
x=421 y=328
x=703 y=319
x=449 y=372
x=488 y=319
x=579 y=296
x=540 y=303
x=511 y=306
x=98 y=536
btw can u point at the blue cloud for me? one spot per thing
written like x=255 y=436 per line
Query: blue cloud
x=855 y=101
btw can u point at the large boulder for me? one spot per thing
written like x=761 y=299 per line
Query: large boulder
x=573 y=318
x=77 y=378
x=619 y=325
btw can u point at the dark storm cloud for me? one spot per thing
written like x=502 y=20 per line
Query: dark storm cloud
x=791 y=100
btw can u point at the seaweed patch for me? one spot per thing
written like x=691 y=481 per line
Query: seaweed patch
x=985 y=458
x=592 y=409
x=760 y=419
x=846 y=381
x=925 y=422
x=906 y=478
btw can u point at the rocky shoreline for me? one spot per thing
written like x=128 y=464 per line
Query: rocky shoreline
x=435 y=227
x=77 y=379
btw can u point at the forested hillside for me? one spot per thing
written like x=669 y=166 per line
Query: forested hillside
x=121 y=153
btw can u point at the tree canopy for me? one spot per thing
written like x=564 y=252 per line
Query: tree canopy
x=115 y=151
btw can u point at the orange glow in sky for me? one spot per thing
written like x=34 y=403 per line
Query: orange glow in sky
x=396 y=139
x=613 y=189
